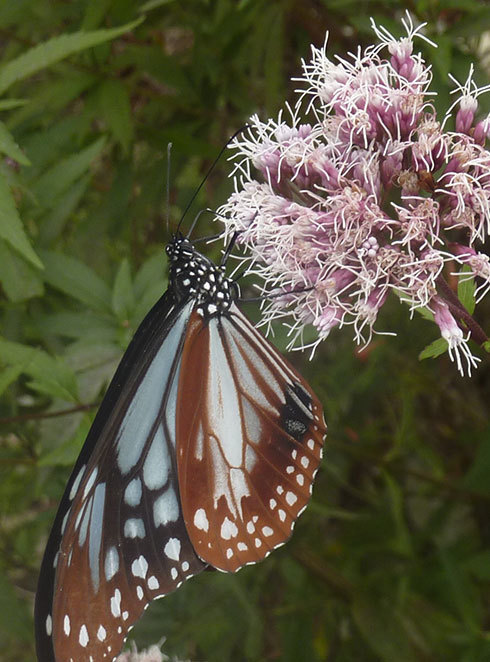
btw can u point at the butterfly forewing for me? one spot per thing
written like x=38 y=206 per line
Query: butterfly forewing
x=119 y=540
x=250 y=436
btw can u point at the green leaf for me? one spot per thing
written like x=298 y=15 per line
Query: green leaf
x=8 y=376
x=383 y=630
x=20 y=280
x=86 y=326
x=122 y=294
x=16 y=621
x=116 y=108
x=466 y=290
x=152 y=271
x=11 y=226
x=8 y=104
x=433 y=350
x=57 y=217
x=66 y=453
x=476 y=479
x=50 y=375
x=76 y=279
x=61 y=176
x=56 y=49
x=9 y=147
x=154 y=4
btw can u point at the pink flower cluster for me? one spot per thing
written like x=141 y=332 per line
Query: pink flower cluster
x=362 y=191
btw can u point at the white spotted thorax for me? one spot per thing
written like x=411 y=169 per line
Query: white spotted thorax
x=193 y=275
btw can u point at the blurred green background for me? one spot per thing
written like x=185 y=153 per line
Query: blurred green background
x=391 y=561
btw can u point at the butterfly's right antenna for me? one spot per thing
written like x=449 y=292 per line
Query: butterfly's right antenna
x=209 y=172
x=167 y=192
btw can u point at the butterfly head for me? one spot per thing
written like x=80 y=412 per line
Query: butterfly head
x=194 y=276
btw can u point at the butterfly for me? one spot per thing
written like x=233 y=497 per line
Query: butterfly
x=203 y=453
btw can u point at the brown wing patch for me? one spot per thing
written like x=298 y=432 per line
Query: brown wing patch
x=250 y=435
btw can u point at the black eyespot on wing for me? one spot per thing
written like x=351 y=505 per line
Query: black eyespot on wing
x=296 y=416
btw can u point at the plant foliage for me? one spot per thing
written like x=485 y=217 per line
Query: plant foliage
x=391 y=561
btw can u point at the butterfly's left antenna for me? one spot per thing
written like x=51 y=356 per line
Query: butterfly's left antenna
x=167 y=191
x=210 y=170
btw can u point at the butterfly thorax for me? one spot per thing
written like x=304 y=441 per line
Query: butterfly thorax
x=193 y=276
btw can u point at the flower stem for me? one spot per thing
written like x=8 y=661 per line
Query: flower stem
x=460 y=312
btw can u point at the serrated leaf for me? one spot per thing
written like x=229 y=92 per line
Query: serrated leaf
x=20 y=280
x=10 y=148
x=433 y=350
x=466 y=290
x=50 y=375
x=11 y=226
x=56 y=180
x=56 y=49
x=122 y=294
x=76 y=279
x=116 y=109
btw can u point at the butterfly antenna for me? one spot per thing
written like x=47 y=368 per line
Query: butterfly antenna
x=167 y=189
x=210 y=170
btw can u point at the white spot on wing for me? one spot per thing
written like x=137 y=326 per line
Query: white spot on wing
x=166 y=508
x=66 y=625
x=132 y=493
x=172 y=549
x=76 y=483
x=200 y=520
x=157 y=464
x=49 y=625
x=90 y=482
x=291 y=498
x=111 y=565
x=83 y=636
x=153 y=583
x=116 y=603
x=101 y=633
x=228 y=529
x=139 y=567
x=134 y=528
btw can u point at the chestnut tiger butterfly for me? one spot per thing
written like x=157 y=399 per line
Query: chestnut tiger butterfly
x=203 y=453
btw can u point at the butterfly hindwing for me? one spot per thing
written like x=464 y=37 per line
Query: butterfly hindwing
x=252 y=434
